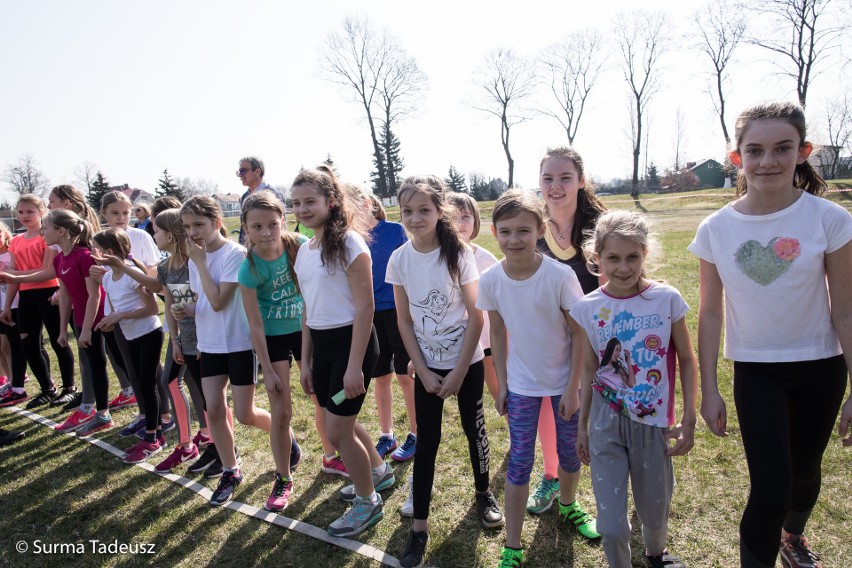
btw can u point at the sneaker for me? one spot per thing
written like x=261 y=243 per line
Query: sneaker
x=167 y=426
x=46 y=397
x=216 y=468
x=141 y=451
x=488 y=510
x=75 y=401
x=385 y=445
x=135 y=425
x=209 y=456
x=5 y=386
x=66 y=395
x=797 y=553
x=407 y=509
x=361 y=515
x=74 y=421
x=179 y=456
x=406 y=451
x=96 y=424
x=576 y=516
x=4 y=380
x=415 y=549
x=10 y=436
x=666 y=560
x=295 y=453
x=122 y=401
x=541 y=501
x=334 y=466
x=380 y=483
x=225 y=490
x=162 y=440
x=201 y=440
x=510 y=558
x=280 y=496
x=11 y=398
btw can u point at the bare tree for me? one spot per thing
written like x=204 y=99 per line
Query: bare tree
x=572 y=68
x=722 y=26
x=507 y=80
x=803 y=33
x=641 y=38
x=196 y=186
x=680 y=137
x=838 y=129
x=85 y=175
x=25 y=176
x=384 y=78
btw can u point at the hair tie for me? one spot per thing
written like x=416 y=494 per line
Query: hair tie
x=129 y=256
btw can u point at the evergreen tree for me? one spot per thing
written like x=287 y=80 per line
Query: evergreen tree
x=653 y=178
x=479 y=188
x=455 y=181
x=97 y=190
x=330 y=163
x=168 y=187
x=391 y=165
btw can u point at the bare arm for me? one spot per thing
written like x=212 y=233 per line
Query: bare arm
x=258 y=337
x=570 y=401
x=431 y=381
x=360 y=275
x=684 y=433
x=838 y=267
x=500 y=354
x=710 y=319
x=146 y=278
x=588 y=371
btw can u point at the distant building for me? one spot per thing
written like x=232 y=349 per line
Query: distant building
x=135 y=194
x=229 y=202
x=709 y=173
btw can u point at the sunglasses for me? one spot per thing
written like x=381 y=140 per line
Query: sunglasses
x=243 y=171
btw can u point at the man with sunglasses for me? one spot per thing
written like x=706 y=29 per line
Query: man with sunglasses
x=251 y=174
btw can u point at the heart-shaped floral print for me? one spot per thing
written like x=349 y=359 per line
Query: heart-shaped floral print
x=765 y=264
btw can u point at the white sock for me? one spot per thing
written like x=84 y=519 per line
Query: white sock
x=87 y=408
x=380 y=470
x=374 y=498
x=127 y=392
x=388 y=434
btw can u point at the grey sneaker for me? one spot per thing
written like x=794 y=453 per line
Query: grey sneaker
x=488 y=510
x=380 y=483
x=361 y=515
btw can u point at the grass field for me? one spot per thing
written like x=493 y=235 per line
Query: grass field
x=61 y=490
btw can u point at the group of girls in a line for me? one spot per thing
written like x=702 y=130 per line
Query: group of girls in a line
x=582 y=348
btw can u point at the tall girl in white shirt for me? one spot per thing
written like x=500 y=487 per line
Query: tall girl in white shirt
x=781 y=258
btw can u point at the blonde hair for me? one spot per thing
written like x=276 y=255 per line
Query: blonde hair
x=112 y=197
x=169 y=221
x=464 y=202
x=205 y=206
x=626 y=225
x=32 y=199
x=79 y=205
x=513 y=203
x=5 y=235
x=78 y=229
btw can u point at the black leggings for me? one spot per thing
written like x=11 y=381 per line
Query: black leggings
x=145 y=358
x=786 y=413
x=34 y=312
x=430 y=409
x=96 y=356
x=19 y=360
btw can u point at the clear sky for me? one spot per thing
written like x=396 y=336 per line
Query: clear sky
x=195 y=85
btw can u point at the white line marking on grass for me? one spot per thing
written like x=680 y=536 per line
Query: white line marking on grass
x=260 y=514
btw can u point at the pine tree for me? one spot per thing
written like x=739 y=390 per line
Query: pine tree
x=392 y=164
x=455 y=181
x=330 y=163
x=653 y=178
x=97 y=190
x=168 y=187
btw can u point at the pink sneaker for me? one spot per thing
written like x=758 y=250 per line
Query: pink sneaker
x=280 y=496
x=334 y=466
x=11 y=398
x=122 y=401
x=141 y=452
x=74 y=421
x=180 y=456
x=201 y=440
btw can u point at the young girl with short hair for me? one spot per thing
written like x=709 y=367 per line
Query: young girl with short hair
x=134 y=309
x=29 y=255
x=625 y=434
x=528 y=296
x=779 y=259
x=435 y=284
x=339 y=345
x=273 y=306
x=224 y=340
x=81 y=296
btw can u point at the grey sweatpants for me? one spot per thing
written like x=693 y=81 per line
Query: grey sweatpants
x=621 y=447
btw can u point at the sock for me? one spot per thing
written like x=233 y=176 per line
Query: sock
x=380 y=470
x=373 y=498
x=329 y=457
x=150 y=437
x=233 y=471
x=87 y=408
x=388 y=434
x=18 y=390
x=127 y=392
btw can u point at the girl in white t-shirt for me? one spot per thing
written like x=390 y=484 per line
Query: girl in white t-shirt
x=782 y=260
x=435 y=281
x=224 y=340
x=527 y=297
x=134 y=309
x=339 y=344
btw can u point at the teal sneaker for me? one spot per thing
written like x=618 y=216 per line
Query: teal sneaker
x=361 y=515
x=542 y=500
x=380 y=483
x=574 y=515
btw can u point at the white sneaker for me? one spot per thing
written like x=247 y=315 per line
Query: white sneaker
x=407 y=509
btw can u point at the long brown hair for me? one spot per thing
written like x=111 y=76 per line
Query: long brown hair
x=267 y=201
x=343 y=215
x=205 y=206
x=805 y=176
x=80 y=230
x=118 y=242
x=79 y=205
x=450 y=243
x=169 y=221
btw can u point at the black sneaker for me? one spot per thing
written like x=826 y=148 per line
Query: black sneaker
x=46 y=397
x=209 y=456
x=75 y=402
x=66 y=395
x=10 y=436
x=295 y=453
x=415 y=549
x=216 y=468
x=225 y=491
x=488 y=510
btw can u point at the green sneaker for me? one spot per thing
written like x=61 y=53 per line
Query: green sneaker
x=575 y=515
x=541 y=501
x=511 y=558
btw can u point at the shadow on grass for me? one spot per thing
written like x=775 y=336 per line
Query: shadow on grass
x=638 y=205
